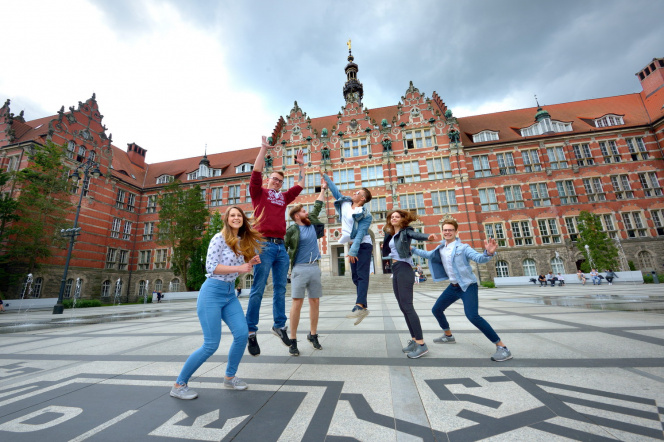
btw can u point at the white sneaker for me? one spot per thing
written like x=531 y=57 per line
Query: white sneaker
x=183 y=392
x=235 y=383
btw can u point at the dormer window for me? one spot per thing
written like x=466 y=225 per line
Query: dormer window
x=546 y=125
x=485 y=135
x=192 y=175
x=163 y=179
x=215 y=172
x=203 y=171
x=244 y=168
x=609 y=120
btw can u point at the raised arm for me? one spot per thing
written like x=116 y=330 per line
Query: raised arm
x=333 y=187
x=299 y=159
x=260 y=159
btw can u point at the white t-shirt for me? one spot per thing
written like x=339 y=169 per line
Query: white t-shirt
x=347 y=221
x=446 y=257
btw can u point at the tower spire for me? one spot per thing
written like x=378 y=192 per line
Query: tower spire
x=353 y=89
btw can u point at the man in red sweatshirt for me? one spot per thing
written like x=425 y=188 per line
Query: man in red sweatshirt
x=270 y=209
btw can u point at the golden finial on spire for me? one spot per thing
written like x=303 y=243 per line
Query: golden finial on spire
x=348 y=43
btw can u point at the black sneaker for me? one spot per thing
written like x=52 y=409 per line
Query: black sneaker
x=252 y=345
x=314 y=341
x=282 y=334
x=293 y=348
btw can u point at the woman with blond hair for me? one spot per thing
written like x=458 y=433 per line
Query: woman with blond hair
x=396 y=245
x=232 y=251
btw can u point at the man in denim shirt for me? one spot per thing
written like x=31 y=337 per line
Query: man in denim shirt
x=451 y=261
x=355 y=221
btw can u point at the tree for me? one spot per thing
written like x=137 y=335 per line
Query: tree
x=603 y=251
x=196 y=276
x=41 y=208
x=8 y=208
x=182 y=218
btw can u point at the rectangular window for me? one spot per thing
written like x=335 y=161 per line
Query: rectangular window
x=557 y=158
x=111 y=257
x=609 y=151
x=495 y=231
x=549 y=231
x=488 y=200
x=540 y=194
x=344 y=178
x=408 y=172
x=115 y=228
x=71 y=148
x=144 y=260
x=621 y=187
x=506 y=163
x=126 y=233
x=378 y=207
x=148 y=231
x=481 y=166
x=291 y=152
x=637 y=149
x=413 y=202
x=372 y=176
x=531 y=160
x=583 y=155
x=123 y=260
x=513 y=197
x=522 y=233
x=355 y=148
x=131 y=202
x=444 y=201
x=650 y=184
x=439 y=168
x=418 y=139
x=572 y=227
x=609 y=226
x=160 y=256
x=658 y=219
x=215 y=196
x=203 y=195
x=594 y=190
x=566 y=192
x=311 y=183
x=247 y=198
x=12 y=164
x=152 y=204
x=634 y=224
x=234 y=194
x=289 y=181
x=119 y=200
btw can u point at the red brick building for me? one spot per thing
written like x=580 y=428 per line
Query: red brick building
x=522 y=176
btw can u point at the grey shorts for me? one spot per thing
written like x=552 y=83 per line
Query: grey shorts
x=306 y=277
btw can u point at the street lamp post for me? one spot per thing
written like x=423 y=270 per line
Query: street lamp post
x=88 y=166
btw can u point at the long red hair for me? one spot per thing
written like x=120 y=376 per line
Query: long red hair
x=248 y=240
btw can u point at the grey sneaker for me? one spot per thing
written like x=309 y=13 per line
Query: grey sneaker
x=420 y=350
x=235 y=383
x=183 y=392
x=358 y=313
x=282 y=334
x=501 y=354
x=445 y=340
x=410 y=347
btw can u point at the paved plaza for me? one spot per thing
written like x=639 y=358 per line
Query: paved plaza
x=588 y=365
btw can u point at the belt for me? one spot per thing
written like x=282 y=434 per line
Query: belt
x=454 y=285
x=274 y=240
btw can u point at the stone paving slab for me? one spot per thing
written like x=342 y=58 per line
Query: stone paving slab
x=582 y=370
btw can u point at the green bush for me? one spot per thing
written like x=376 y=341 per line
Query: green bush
x=631 y=265
x=81 y=303
x=489 y=284
x=647 y=278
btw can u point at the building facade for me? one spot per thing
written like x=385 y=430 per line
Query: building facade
x=521 y=176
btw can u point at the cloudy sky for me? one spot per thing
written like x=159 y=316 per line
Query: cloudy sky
x=175 y=75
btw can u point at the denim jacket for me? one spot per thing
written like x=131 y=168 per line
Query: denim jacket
x=361 y=221
x=461 y=255
x=402 y=242
x=292 y=238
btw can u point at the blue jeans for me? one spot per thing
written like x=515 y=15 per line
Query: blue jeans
x=217 y=302
x=470 y=308
x=360 y=272
x=275 y=258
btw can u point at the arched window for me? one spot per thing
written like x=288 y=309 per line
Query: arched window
x=502 y=269
x=141 y=289
x=175 y=285
x=557 y=265
x=37 y=287
x=529 y=267
x=645 y=260
x=249 y=281
x=158 y=285
x=106 y=288
x=68 y=286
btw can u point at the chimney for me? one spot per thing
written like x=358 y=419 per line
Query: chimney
x=136 y=154
x=652 y=76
